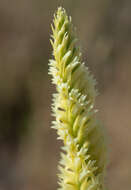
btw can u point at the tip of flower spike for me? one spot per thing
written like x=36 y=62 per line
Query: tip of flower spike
x=60 y=9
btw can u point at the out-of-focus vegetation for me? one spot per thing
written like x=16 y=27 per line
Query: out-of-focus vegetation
x=29 y=151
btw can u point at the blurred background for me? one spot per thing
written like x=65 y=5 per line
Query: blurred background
x=29 y=151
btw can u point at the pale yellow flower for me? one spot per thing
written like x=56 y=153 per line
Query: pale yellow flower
x=84 y=157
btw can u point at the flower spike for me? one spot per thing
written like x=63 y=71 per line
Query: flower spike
x=83 y=160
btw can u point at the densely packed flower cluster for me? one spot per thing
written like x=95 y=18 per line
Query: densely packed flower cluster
x=83 y=158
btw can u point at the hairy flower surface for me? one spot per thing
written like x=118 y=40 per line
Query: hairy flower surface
x=83 y=160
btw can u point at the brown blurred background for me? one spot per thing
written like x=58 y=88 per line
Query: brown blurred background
x=29 y=151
